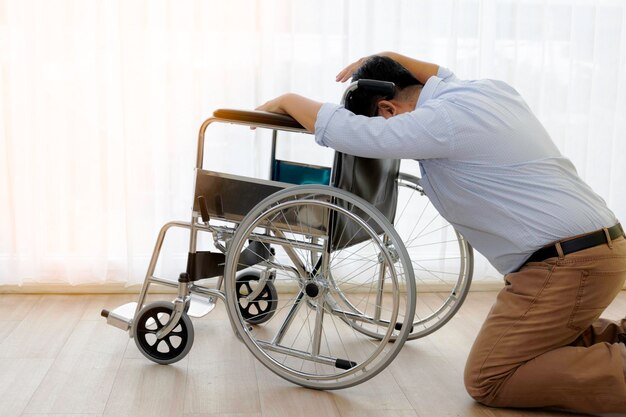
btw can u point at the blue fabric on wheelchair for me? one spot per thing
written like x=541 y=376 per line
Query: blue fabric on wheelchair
x=299 y=174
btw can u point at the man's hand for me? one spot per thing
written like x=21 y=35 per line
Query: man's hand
x=302 y=109
x=274 y=106
x=346 y=73
x=422 y=71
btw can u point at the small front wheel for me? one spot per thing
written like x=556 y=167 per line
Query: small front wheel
x=171 y=348
x=262 y=307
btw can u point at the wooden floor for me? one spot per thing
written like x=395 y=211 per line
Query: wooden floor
x=59 y=358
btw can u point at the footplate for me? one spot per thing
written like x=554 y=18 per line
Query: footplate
x=200 y=306
x=121 y=317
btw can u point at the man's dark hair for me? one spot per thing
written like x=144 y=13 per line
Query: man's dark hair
x=381 y=68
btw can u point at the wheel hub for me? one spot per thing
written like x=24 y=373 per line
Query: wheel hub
x=311 y=289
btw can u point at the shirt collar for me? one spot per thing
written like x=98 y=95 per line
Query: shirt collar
x=428 y=91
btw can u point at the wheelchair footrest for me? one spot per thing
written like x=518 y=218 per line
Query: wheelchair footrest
x=122 y=316
x=200 y=306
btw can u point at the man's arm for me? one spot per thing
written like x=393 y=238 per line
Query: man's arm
x=420 y=69
x=425 y=133
x=303 y=109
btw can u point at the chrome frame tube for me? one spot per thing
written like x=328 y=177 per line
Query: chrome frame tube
x=151 y=279
x=358 y=317
x=200 y=152
x=164 y=282
x=220 y=282
x=273 y=152
x=302 y=272
x=153 y=261
x=207 y=122
x=206 y=292
x=381 y=284
x=326 y=360
x=283 y=241
x=193 y=238
x=319 y=320
x=180 y=305
x=278 y=337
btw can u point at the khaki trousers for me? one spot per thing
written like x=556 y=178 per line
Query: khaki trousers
x=542 y=344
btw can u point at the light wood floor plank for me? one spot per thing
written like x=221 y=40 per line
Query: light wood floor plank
x=221 y=376
x=380 y=413
x=6 y=327
x=223 y=415
x=426 y=378
x=19 y=378
x=17 y=306
x=144 y=389
x=45 y=329
x=60 y=415
x=379 y=393
x=81 y=378
x=280 y=398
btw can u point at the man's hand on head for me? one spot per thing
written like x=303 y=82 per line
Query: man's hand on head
x=346 y=73
x=422 y=71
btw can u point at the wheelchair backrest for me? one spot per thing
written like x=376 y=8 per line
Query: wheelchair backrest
x=374 y=180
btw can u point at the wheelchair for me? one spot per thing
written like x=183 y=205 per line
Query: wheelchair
x=325 y=272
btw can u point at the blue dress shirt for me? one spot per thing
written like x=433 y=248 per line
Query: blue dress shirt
x=488 y=165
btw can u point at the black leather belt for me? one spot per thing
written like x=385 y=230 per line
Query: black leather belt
x=574 y=245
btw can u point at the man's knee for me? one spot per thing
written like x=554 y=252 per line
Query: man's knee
x=480 y=388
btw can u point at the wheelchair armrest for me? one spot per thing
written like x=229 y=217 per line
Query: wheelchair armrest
x=263 y=118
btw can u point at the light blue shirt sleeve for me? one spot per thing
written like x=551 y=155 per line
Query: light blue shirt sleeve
x=421 y=134
x=446 y=75
x=425 y=133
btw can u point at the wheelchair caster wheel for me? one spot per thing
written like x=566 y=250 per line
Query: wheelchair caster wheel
x=172 y=347
x=260 y=309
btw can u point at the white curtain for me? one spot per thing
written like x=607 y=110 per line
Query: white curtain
x=100 y=103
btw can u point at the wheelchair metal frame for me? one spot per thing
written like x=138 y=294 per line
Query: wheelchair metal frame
x=188 y=290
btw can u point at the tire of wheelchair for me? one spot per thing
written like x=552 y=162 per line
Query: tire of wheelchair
x=328 y=350
x=149 y=320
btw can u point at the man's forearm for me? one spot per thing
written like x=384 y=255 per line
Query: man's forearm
x=420 y=70
x=303 y=109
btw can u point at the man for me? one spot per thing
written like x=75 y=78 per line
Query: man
x=491 y=170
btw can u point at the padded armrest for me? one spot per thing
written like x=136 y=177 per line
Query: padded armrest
x=259 y=117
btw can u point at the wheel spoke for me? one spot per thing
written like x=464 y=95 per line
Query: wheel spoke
x=441 y=260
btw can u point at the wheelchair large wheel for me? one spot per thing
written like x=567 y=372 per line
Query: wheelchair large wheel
x=340 y=268
x=442 y=259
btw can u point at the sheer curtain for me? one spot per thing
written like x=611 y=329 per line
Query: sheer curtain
x=100 y=102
